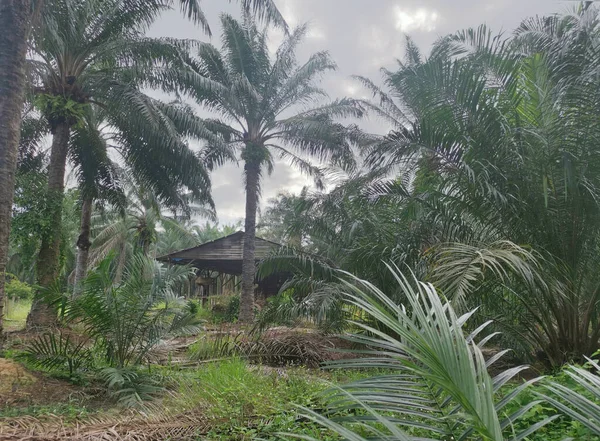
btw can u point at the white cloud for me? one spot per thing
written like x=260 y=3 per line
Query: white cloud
x=421 y=19
x=350 y=89
x=315 y=33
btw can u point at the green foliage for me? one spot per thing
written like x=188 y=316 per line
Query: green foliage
x=246 y=84
x=248 y=401
x=129 y=386
x=561 y=428
x=59 y=352
x=225 y=309
x=71 y=411
x=578 y=396
x=60 y=108
x=29 y=220
x=128 y=320
x=15 y=289
x=278 y=216
x=122 y=324
x=193 y=307
x=233 y=310
x=439 y=387
x=487 y=185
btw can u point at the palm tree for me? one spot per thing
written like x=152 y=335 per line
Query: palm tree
x=434 y=381
x=183 y=233
x=278 y=215
x=141 y=228
x=252 y=92
x=17 y=19
x=126 y=234
x=366 y=220
x=77 y=65
x=508 y=129
x=98 y=181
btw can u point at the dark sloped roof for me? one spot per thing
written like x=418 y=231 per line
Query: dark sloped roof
x=224 y=254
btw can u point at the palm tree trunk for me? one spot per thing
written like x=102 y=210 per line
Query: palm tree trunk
x=48 y=261
x=248 y=260
x=15 y=20
x=83 y=245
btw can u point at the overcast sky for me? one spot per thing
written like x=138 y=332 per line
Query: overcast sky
x=362 y=36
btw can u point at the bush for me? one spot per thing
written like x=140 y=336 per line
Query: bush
x=225 y=309
x=122 y=323
x=17 y=290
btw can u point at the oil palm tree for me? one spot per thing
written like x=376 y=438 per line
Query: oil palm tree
x=99 y=176
x=137 y=230
x=98 y=181
x=15 y=20
x=508 y=129
x=76 y=65
x=18 y=19
x=259 y=100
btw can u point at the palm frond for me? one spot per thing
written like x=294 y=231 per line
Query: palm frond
x=438 y=372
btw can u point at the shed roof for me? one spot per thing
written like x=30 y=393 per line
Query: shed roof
x=223 y=255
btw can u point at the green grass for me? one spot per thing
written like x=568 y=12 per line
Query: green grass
x=559 y=429
x=248 y=402
x=244 y=402
x=15 y=314
x=253 y=402
x=70 y=411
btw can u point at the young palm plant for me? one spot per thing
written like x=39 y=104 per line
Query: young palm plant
x=129 y=319
x=260 y=101
x=437 y=385
x=122 y=322
x=580 y=407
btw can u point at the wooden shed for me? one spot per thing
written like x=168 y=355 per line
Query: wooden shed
x=224 y=256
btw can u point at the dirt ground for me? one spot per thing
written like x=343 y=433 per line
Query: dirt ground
x=21 y=388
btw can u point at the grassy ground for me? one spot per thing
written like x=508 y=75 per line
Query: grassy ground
x=225 y=400
x=228 y=400
x=16 y=314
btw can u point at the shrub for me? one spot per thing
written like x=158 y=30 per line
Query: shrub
x=122 y=323
x=225 y=309
x=17 y=290
x=439 y=386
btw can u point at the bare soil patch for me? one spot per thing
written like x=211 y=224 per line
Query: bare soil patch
x=21 y=388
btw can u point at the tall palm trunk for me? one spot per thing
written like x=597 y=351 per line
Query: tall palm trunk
x=15 y=20
x=83 y=244
x=248 y=261
x=48 y=261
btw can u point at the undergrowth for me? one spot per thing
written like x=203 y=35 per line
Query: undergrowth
x=248 y=401
x=243 y=402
